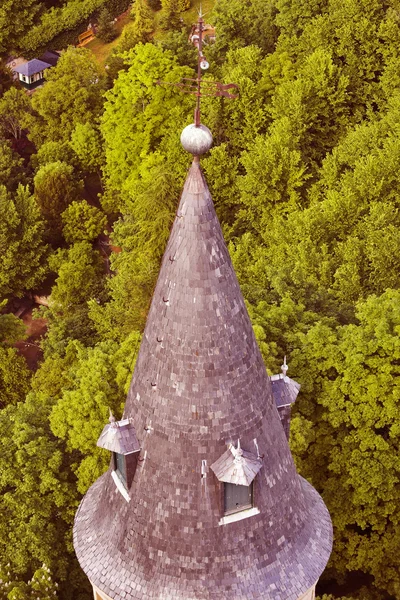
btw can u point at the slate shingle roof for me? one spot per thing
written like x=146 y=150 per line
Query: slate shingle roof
x=284 y=389
x=32 y=67
x=51 y=57
x=120 y=437
x=211 y=389
x=237 y=466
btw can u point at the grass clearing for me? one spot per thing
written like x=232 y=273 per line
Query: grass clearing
x=101 y=50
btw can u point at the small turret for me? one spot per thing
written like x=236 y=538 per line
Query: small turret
x=285 y=392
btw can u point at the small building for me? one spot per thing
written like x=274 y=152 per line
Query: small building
x=31 y=73
x=51 y=57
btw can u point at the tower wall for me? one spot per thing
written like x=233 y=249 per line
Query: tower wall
x=309 y=595
x=200 y=385
x=98 y=595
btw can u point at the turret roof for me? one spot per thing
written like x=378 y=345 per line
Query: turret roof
x=200 y=384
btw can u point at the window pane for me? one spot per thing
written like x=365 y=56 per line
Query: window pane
x=238 y=497
x=120 y=465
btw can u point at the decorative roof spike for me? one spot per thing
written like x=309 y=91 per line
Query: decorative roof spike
x=237 y=452
x=111 y=417
x=284 y=367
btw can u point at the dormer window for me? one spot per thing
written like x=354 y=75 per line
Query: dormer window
x=120 y=467
x=237 y=497
x=236 y=469
x=120 y=438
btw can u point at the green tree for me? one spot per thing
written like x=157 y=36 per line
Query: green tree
x=86 y=142
x=361 y=36
x=275 y=176
x=42 y=585
x=80 y=273
x=346 y=434
x=55 y=188
x=294 y=15
x=101 y=381
x=239 y=24
x=170 y=16
x=22 y=245
x=233 y=123
x=223 y=184
x=140 y=30
x=15 y=19
x=14 y=377
x=106 y=27
x=11 y=167
x=82 y=222
x=316 y=104
x=79 y=270
x=141 y=234
x=72 y=94
x=38 y=495
x=141 y=118
x=14 y=108
x=176 y=42
x=50 y=152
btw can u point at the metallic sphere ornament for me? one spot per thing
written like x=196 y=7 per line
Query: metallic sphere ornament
x=196 y=140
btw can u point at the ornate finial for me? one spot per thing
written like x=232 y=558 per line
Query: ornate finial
x=196 y=138
x=284 y=367
x=237 y=452
x=111 y=418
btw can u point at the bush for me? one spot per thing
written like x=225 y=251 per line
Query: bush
x=82 y=222
x=106 y=27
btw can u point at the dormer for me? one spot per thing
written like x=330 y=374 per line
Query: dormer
x=237 y=469
x=285 y=392
x=120 y=438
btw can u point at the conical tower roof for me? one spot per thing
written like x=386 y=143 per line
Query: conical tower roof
x=199 y=385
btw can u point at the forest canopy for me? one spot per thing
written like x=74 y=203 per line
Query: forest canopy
x=304 y=176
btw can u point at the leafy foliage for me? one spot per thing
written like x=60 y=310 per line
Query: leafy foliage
x=55 y=189
x=304 y=175
x=82 y=222
x=72 y=95
x=106 y=27
x=14 y=106
x=22 y=244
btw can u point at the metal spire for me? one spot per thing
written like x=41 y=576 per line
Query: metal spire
x=196 y=138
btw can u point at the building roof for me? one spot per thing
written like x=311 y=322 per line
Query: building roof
x=31 y=67
x=199 y=384
x=237 y=466
x=50 y=57
x=284 y=389
x=120 y=437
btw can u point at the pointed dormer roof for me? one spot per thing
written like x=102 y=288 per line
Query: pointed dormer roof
x=237 y=466
x=200 y=384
